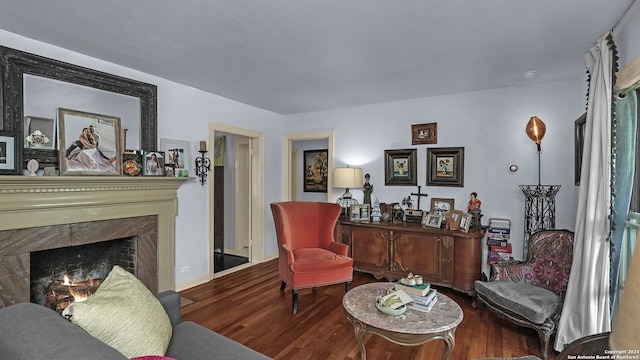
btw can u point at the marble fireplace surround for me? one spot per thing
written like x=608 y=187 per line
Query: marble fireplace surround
x=39 y=213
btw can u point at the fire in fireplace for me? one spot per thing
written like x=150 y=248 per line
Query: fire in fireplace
x=61 y=293
x=61 y=276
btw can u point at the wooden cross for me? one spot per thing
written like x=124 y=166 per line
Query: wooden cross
x=419 y=194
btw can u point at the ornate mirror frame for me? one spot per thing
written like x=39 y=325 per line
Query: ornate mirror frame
x=15 y=63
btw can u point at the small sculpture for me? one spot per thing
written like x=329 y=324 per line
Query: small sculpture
x=367 y=188
x=33 y=166
x=474 y=210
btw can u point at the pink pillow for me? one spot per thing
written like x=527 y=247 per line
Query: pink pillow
x=153 y=357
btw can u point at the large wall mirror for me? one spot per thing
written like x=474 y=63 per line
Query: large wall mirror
x=34 y=87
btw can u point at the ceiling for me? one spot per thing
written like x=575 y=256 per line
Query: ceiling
x=293 y=56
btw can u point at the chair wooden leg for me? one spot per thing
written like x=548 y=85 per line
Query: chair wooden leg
x=347 y=286
x=544 y=343
x=295 y=301
x=283 y=285
x=480 y=306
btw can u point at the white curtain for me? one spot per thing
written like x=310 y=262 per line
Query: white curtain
x=586 y=305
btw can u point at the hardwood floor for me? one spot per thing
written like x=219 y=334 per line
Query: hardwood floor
x=247 y=306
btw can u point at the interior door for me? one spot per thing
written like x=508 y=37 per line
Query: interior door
x=242 y=198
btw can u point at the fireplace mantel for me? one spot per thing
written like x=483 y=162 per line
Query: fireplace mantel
x=27 y=202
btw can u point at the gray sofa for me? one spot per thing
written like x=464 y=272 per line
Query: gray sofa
x=32 y=332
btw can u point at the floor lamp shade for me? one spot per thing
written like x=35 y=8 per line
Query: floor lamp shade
x=347 y=177
x=626 y=328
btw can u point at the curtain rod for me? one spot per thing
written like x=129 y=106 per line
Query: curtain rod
x=626 y=16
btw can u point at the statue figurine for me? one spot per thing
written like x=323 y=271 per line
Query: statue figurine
x=474 y=210
x=474 y=203
x=367 y=188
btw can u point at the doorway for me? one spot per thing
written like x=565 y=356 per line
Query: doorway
x=236 y=199
x=289 y=163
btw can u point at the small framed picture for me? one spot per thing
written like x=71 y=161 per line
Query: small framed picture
x=400 y=167
x=154 y=163
x=169 y=170
x=360 y=212
x=424 y=134
x=442 y=206
x=432 y=220
x=465 y=222
x=10 y=155
x=132 y=163
x=177 y=153
x=445 y=166
x=457 y=217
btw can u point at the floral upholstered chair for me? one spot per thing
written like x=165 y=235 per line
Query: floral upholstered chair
x=531 y=293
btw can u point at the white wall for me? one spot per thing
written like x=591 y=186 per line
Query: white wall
x=184 y=114
x=490 y=125
x=627 y=40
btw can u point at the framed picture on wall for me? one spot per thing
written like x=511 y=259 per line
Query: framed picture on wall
x=316 y=170
x=9 y=154
x=424 y=134
x=400 y=167
x=445 y=166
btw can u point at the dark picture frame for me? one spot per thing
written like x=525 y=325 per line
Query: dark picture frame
x=445 y=166
x=424 y=134
x=316 y=170
x=85 y=152
x=580 y=125
x=10 y=153
x=400 y=167
x=154 y=163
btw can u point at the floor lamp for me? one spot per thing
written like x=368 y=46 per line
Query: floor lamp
x=347 y=178
x=540 y=203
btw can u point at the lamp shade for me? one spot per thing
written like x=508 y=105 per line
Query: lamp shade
x=536 y=129
x=347 y=177
x=626 y=328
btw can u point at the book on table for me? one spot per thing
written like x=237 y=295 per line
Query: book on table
x=421 y=289
x=421 y=307
x=423 y=300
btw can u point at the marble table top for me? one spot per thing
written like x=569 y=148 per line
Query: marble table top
x=360 y=302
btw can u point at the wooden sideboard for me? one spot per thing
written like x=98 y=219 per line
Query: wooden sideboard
x=443 y=257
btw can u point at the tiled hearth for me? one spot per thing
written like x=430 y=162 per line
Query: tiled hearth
x=38 y=213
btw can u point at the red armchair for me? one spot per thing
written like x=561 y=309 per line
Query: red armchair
x=309 y=256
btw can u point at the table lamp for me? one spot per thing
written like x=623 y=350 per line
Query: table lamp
x=347 y=178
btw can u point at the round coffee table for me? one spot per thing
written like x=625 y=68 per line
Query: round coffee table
x=411 y=328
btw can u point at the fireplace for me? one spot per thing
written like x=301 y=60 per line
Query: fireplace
x=43 y=213
x=61 y=276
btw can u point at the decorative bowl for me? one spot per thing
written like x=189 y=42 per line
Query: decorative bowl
x=389 y=311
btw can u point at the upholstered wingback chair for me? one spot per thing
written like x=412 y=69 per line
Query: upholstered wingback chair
x=531 y=293
x=308 y=254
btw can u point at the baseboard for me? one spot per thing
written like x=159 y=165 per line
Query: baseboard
x=192 y=283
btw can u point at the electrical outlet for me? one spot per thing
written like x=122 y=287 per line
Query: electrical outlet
x=185 y=269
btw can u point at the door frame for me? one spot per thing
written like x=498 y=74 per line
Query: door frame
x=287 y=144
x=256 y=246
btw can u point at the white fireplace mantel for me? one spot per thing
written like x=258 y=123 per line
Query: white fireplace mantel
x=27 y=201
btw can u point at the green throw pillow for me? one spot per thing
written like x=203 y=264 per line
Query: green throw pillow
x=125 y=315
